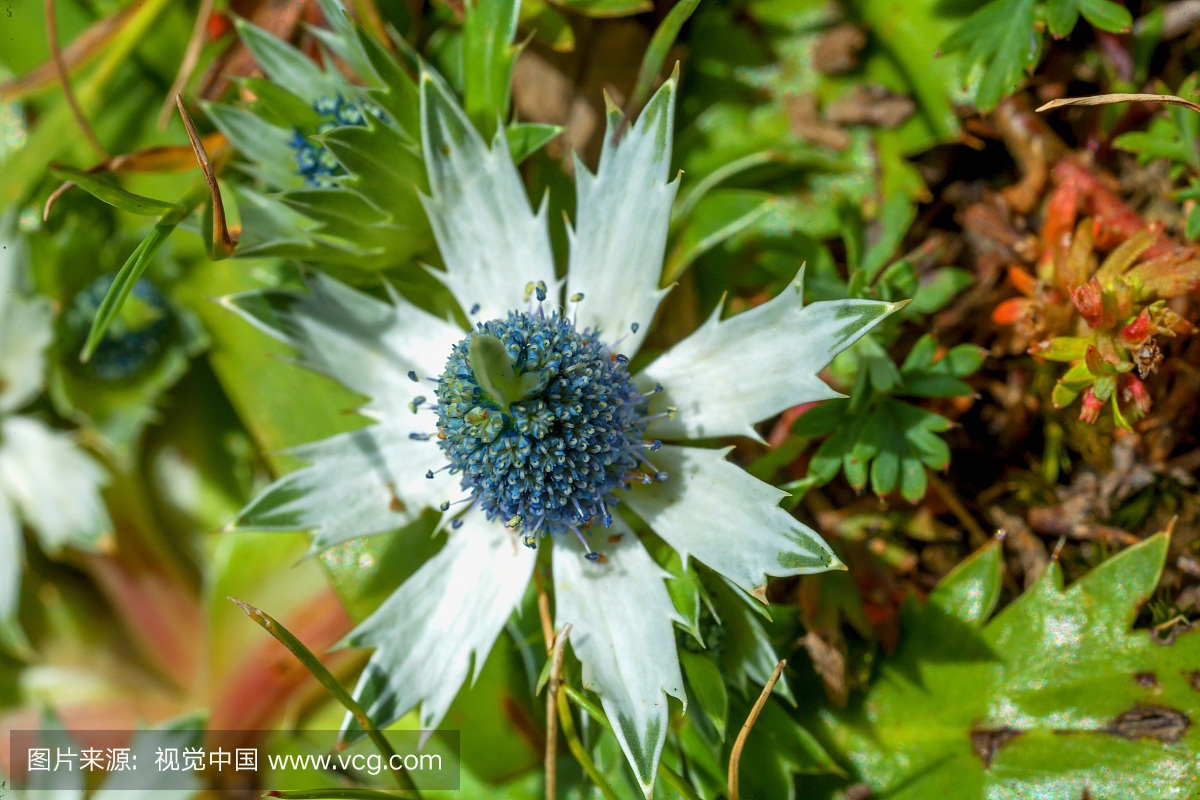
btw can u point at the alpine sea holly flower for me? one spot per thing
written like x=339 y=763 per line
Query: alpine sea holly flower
x=46 y=481
x=530 y=428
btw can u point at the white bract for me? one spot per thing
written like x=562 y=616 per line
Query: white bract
x=540 y=430
x=46 y=481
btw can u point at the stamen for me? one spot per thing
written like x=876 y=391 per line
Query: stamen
x=634 y=327
x=412 y=375
x=474 y=309
x=416 y=403
x=540 y=289
x=589 y=554
x=621 y=358
x=420 y=437
x=577 y=297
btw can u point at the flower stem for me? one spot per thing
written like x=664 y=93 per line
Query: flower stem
x=560 y=642
x=577 y=749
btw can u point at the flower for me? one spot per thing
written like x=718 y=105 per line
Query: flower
x=45 y=479
x=530 y=426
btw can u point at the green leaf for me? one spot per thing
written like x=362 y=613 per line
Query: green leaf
x=526 y=138
x=285 y=65
x=1001 y=38
x=319 y=671
x=1192 y=230
x=606 y=8
x=1053 y=695
x=548 y=25
x=716 y=217
x=488 y=57
x=936 y=290
x=706 y=686
x=656 y=53
x=133 y=268
x=112 y=194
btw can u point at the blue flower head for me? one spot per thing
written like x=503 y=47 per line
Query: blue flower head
x=548 y=459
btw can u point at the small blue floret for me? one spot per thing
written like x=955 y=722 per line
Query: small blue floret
x=313 y=161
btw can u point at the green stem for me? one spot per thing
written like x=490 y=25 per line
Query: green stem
x=581 y=755
x=319 y=671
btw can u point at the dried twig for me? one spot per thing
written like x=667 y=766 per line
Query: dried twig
x=560 y=642
x=191 y=57
x=60 y=66
x=1108 y=99
x=222 y=241
x=735 y=756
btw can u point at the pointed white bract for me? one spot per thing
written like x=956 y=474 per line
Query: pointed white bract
x=12 y=559
x=622 y=632
x=727 y=519
x=25 y=331
x=730 y=374
x=492 y=243
x=53 y=484
x=366 y=345
x=360 y=483
x=622 y=216
x=427 y=633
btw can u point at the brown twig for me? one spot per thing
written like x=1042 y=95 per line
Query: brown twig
x=60 y=66
x=735 y=756
x=220 y=234
x=1107 y=99
x=191 y=57
x=560 y=642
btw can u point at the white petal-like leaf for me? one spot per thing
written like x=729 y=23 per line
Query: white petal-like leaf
x=492 y=243
x=729 y=375
x=54 y=485
x=12 y=559
x=25 y=330
x=450 y=611
x=621 y=618
x=622 y=215
x=364 y=344
x=356 y=484
x=729 y=520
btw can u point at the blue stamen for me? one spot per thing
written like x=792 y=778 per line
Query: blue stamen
x=412 y=375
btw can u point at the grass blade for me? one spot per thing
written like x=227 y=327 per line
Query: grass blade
x=112 y=194
x=318 y=671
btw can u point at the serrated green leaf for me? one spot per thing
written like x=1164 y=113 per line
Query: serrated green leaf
x=114 y=195
x=286 y=65
x=1044 y=700
x=1001 y=37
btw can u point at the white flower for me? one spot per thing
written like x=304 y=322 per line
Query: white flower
x=45 y=479
x=538 y=428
